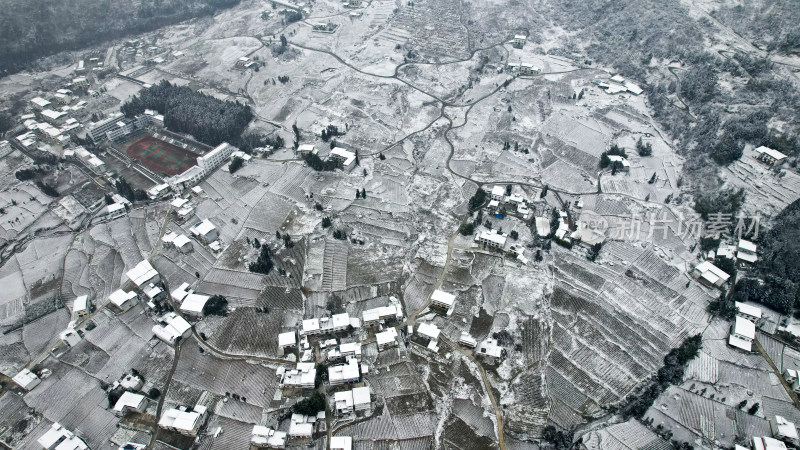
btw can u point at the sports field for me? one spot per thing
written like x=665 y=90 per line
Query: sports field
x=161 y=156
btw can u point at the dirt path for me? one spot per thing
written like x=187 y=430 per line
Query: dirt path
x=785 y=385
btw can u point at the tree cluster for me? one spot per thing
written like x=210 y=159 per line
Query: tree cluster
x=311 y=405
x=264 y=262
x=723 y=202
x=605 y=161
x=644 y=149
x=316 y=163
x=236 y=164
x=478 y=199
x=329 y=132
x=217 y=305
x=670 y=373
x=208 y=119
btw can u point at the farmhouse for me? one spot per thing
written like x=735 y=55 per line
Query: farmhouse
x=325 y=325
x=767 y=443
x=742 y=334
x=746 y=251
x=342 y=442
x=58 y=437
x=344 y=373
x=81 y=306
x=386 y=339
x=130 y=402
x=40 y=103
x=301 y=427
x=723 y=251
x=346 y=157
x=347 y=402
x=183 y=244
x=306 y=149
x=791 y=377
x=498 y=193
x=286 y=340
x=710 y=275
x=749 y=312
x=528 y=69
x=467 y=341
x=376 y=316
x=171 y=328
x=442 y=299
x=430 y=332
x=55 y=118
x=205 y=231
x=519 y=41
x=620 y=162
x=353 y=3
x=263 y=437
x=303 y=376
x=491 y=239
x=769 y=156
x=123 y=300
x=490 y=350
x=183 y=421
x=351 y=350
x=542 y=226
x=193 y=304
x=26 y=379
x=784 y=430
x=143 y=274
x=70 y=337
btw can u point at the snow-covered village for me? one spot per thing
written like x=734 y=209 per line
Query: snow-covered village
x=378 y=225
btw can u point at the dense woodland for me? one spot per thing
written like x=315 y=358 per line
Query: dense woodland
x=207 y=119
x=778 y=269
x=30 y=29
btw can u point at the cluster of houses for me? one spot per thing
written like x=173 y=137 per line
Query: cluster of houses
x=784 y=436
x=618 y=84
x=344 y=156
x=744 y=252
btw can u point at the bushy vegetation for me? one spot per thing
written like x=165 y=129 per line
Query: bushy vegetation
x=671 y=373
x=217 y=305
x=208 y=119
x=311 y=405
x=616 y=150
x=264 y=262
x=236 y=164
x=724 y=202
x=478 y=199
x=644 y=149
x=34 y=28
x=316 y=163
x=26 y=174
x=248 y=142
x=466 y=229
x=124 y=189
x=776 y=278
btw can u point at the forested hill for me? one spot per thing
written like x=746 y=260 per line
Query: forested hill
x=30 y=29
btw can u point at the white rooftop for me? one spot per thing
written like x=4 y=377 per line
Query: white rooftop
x=120 y=297
x=81 y=303
x=744 y=328
x=203 y=228
x=181 y=240
x=180 y=420
x=130 y=400
x=263 y=436
x=179 y=202
x=443 y=297
x=194 y=303
x=181 y=292
x=341 y=443
x=386 y=337
x=59 y=438
x=25 y=379
x=347 y=155
x=142 y=273
x=747 y=246
x=785 y=429
x=428 y=330
x=749 y=310
x=344 y=372
x=287 y=339
x=767 y=443
x=773 y=153
x=493 y=236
